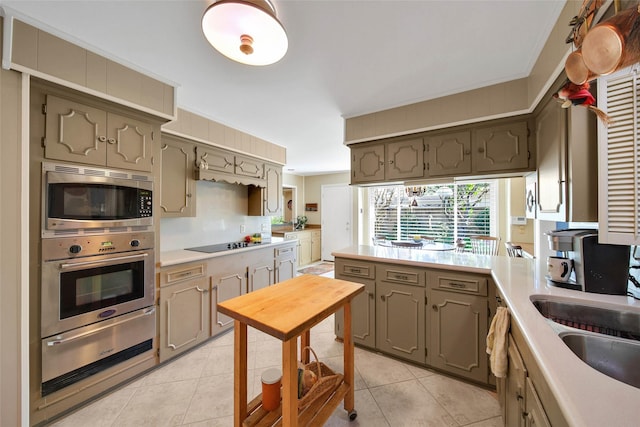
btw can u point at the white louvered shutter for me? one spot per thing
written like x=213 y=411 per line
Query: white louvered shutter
x=618 y=158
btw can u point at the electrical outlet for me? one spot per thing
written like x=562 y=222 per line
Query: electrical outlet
x=242 y=228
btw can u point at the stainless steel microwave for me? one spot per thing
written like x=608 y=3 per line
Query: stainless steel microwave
x=87 y=198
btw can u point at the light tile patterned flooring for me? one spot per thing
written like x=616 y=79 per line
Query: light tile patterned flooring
x=197 y=390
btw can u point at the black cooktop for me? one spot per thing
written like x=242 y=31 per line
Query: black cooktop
x=221 y=247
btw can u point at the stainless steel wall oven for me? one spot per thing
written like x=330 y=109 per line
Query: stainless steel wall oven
x=97 y=304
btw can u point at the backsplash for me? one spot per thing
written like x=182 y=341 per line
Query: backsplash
x=221 y=209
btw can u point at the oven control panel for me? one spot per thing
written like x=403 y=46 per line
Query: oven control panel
x=82 y=246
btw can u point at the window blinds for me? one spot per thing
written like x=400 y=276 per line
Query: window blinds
x=444 y=212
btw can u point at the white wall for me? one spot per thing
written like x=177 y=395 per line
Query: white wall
x=221 y=209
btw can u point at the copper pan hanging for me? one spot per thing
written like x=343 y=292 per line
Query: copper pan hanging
x=612 y=44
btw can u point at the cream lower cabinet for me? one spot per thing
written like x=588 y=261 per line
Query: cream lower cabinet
x=513 y=391
x=316 y=245
x=261 y=275
x=304 y=245
x=286 y=262
x=400 y=312
x=184 y=309
x=459 y=316
x=224 y=286
x=525 y=394
x=363 y=306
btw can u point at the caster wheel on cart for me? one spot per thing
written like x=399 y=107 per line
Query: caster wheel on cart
x=353 y=415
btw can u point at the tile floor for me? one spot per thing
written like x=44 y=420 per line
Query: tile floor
x=197 y=390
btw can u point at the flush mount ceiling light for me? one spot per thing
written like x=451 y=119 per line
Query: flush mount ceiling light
x=246 y=31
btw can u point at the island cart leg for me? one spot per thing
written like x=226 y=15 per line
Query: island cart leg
x=349 y=400
x=290 y=382
x=305 y=341
x=240 y=373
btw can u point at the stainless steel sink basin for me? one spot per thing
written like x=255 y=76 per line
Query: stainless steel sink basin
x=610 y=342
x=613 y=357
x=618 y=323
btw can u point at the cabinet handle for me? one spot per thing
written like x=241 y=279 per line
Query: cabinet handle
x=480 y=150
x=381 y=163
x=390 y=162
x=458 y=285
x=467 y=152
x=111 y=140
x=371 y=296
x=435 y=307
x=102 y=138
x=383 y=298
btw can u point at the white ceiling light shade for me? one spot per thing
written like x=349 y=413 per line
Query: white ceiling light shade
x=246 y=31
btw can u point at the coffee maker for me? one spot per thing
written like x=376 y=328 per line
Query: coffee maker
x=597 y=267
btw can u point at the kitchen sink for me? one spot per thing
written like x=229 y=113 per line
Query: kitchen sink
x=616 y=358
x=617 y=323
x=608 y=340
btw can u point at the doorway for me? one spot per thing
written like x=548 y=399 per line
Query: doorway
x=337 y=216
x=289 y=204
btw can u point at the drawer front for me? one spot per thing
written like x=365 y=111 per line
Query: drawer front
x=180 y=273
x=468 y=284
x=286 y=251
x=347 y=267
x=401 y=274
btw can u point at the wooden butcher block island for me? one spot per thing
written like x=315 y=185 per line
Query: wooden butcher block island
x=288 y=310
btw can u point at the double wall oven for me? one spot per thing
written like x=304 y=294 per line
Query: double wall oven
x=98 y=271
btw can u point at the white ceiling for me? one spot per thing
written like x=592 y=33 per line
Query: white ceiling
x=345 y=58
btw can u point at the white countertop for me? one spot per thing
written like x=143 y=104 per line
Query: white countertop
x=181 y=256
x=585 y=396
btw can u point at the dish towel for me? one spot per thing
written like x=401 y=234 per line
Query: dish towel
x=497 y=342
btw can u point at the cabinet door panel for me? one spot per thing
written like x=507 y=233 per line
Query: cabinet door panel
x=129 y=143
x=535 y=415
x=500 y=148
x=400 y=321
x=285 y=269
x=363 y=314
x=515 y=387
x=178 y=185
x=405 y=159
x=551 y=125
x=449 y=154
x=458 y=332
x=249 y=167
x=225 y=287
x=215 y=160
x=184 y=316
x=367 y=163
x=75 y=132
x=261 y=275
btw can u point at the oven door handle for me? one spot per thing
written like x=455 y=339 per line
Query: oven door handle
x=67 y=266
x=148 y=311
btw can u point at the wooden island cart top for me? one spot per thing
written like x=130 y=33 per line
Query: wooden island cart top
x=286 y=311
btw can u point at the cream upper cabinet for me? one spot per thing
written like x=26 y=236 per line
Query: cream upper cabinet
x=405 y=159
x=83 y=134
x=448 y=153
x=551 y=138
x=567 y=161
x=178 y=186
x=502 y=147
x=267 y=200
x=393 y=160
x=367 y=163
x=218 y=164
